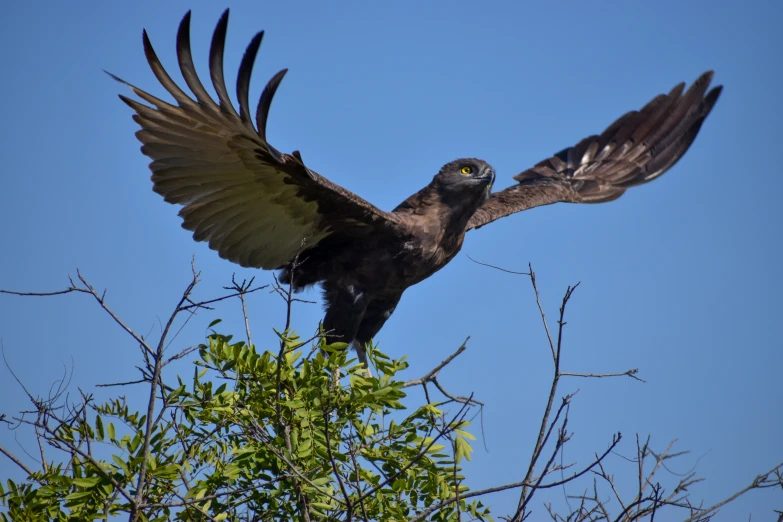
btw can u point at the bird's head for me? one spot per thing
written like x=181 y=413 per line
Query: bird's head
x=466 y=178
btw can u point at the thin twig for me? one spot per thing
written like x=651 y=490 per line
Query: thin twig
x=15 y=460
x=761 y=481
x=151 y=421
x=449 y=427
x=202 y=304
x=241 y=290
x=101 y=300
x=126 y=383
x=628 y=373
x=432 y=376
x=434 y=372
x=348 y=505
x=555 y=349
x=44 y=294
x=498 y=268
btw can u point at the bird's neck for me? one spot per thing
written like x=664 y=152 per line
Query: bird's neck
x=434 y=215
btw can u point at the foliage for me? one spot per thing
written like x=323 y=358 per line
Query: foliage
x=259 y=436
x=287 y=435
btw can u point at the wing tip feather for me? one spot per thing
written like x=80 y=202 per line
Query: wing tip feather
x=265 y=102
x=244 y=74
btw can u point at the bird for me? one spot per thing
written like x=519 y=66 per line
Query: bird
x=262 y=208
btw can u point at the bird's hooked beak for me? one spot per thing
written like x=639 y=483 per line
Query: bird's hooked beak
x=488 y=176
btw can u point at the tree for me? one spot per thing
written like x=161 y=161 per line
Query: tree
x=302 y=432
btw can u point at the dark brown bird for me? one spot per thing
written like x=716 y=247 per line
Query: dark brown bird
x=262 y=208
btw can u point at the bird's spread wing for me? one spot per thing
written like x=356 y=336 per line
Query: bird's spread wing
x=635 y=149
x=253 y=204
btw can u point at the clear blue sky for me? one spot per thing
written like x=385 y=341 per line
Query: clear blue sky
x=680 y=278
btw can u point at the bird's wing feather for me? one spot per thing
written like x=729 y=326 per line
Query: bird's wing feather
x=252 y=203
x=637 y=148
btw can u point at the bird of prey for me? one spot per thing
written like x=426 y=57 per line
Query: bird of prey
x=259 y=207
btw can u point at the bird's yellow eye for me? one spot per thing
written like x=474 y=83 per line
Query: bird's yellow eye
x=467 y=169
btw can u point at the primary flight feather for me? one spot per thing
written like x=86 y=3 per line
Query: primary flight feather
x=262 y=208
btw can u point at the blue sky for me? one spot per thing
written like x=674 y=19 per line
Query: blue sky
x=680 y=278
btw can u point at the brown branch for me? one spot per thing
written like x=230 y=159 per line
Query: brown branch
x=151 y=421
x=352 y=453
x=458 y=418
x=498 y=268
x=460 y=398
x=537 y=449
x=101 y=301
x=15 y=460
x=53 y=436
x=761 y=481
x=346 y=496
x=87 y=289
x=242 y=289
x=434 y=372
x=563 y=407
x=541 y=312
x=282 y=426
x=424 y=514
x=191 y=501
x=202 y=304
x=638 y=503
x=44 y=294
x=126 y=383
x=615 y=441
x=296 y=471
x=628 y=373
x=182 y=353
x=456 y=481
x=432 y=376
x=658 y=463
x=610 y=480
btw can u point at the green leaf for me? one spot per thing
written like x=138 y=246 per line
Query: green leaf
x=87 y=482
x=291 y=357
x=121 y=464
x=465 y=434
x=78 y=495
x=461 y=449
x=305 y=448
x=99 y=427
x=232 y=471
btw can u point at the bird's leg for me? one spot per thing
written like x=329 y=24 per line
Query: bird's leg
x=361 y=354
x=345 y=308
x=376 y=314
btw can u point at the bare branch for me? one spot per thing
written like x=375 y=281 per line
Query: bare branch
x=553 y=389
x=240 y=290
x=101 y=301
x=628 y=373
x=151 y=421
x=126 y=383
x=16 y=461
x=203 y=304
x=498 y=268
x=43 y=294
x=346 y=496
x=52 y=436
x=761 y=481
x=86 y=289
x=434 y=372
x=449 y=427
